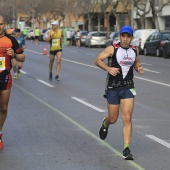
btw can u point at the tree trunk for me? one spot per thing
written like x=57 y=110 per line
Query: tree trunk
x=89 y=23
x=108 y=24
x=99 y=19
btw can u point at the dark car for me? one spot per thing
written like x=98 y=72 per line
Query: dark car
x=113 y=38
x=155 y=43
x=166 y=49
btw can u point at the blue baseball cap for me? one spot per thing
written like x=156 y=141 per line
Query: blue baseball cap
x=126 y=29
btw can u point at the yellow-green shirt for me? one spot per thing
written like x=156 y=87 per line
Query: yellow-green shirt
x=55 y=43
x=37 y=32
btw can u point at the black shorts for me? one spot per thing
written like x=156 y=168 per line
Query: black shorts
x=5 y=82
x=68 y=39
x=55 y=52
x=36 y=37
x=32 y=38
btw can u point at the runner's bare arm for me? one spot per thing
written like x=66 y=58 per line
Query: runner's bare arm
x=137 y=65
x=18 y=57
x=99 y=61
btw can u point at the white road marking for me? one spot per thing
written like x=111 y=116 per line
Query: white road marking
x=156 y=82
x=43 y=82
x=80 y=63
x=88 y=104
x=33 y=51
x=162 y=142
x=146 y=64
x=23 y=72
x=145 y=69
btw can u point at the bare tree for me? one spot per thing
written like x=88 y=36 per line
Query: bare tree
x=140 y=5
x=88 y=7
x=156 y=9
x=124 y=6
x=7 y=14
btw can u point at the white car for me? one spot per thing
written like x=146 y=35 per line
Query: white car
x=95 y=39
x=140 y=37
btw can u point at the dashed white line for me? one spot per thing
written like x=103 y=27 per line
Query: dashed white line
x=146 y=64
x=156 y=82
x=162 y=142
x=45 y=83
x=145 y=69
x=33 y=51
x=88 y=104
x=23 y=72
x=80 y=63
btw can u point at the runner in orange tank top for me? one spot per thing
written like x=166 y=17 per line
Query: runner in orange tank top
x=9 y=48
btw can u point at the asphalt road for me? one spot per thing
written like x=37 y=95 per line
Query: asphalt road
x=54 y=125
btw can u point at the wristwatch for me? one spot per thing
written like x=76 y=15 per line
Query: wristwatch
x=14 y=56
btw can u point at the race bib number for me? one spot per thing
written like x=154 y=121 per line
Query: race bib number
x=56 y=42
x=133 y=91
x=2 y=63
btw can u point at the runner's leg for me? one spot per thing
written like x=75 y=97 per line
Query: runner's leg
x=4 y=100
x=127 y=109
x=51 y=63
x=59 y=55
x=113 y=113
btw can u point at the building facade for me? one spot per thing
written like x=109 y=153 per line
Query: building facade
x=163 y=17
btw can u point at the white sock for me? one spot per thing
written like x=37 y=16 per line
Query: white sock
x=15 y=74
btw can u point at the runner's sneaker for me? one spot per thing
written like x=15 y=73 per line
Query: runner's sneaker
x=50 y=76
x=103 y=131
x=1 y=142
x=19 y=73
x=127 y=155
x=15 y=77
x=57 y=78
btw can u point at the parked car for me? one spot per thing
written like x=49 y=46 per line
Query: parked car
x=83 y=35
x=140 y=37
x=155 y=43
x=166 y=49
x=113 y=39
x=96 y=39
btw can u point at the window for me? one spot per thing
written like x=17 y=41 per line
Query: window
x=156 y=36
x=165 y=36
